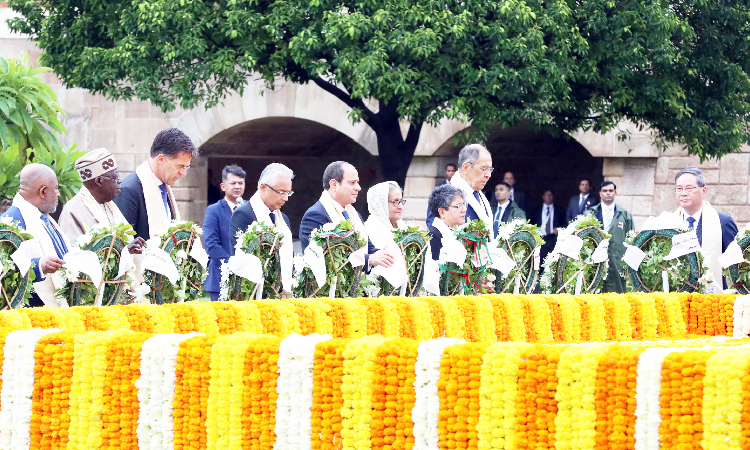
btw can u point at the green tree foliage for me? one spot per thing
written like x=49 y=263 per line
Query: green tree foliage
x=28 y=107
x=678 y=66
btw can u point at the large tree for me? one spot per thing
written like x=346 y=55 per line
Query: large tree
x=678 y=66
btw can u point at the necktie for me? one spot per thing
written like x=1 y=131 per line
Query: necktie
x=548 y=227
x=580 y=205
x=346 y=215
x=607 y=218
x=57 y=241
x=691 y=222
x=511 y=195
x=165 y=198
x=273 y=218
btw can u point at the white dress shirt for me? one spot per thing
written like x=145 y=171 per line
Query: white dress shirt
x=696 y=216
x=501 y=210
x=545 y=218
x=608 y=213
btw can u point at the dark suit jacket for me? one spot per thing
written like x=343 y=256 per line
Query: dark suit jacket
x=728 y=230
x=216 y=240
x=521 y=200
x=512 y=211
x=558 y=219
x=314 y=218
x=574 y=210
x=436 y=242
x=243 y=216
x=15 y=213
x=132 y=204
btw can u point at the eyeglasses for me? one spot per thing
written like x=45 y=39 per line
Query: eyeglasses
x=179 y=166
x=116 y=179
x=459 y=206
x=398 y=203
x=282 y=193
x=486 y=169
x=687 y=189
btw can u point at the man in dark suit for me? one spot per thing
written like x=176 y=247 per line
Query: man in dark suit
x=581 y=202
x=506 y=209
x=340 y=190
x=517 y=196
x=274 y=190
x=216 y=226
x=450 y=170
x=146 y=199
x=549 y=218
x=715 y=230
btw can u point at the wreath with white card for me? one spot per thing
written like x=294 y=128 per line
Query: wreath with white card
x=263 y=242
x=662 y=269
x=522 y=241
x=578 y=265
x=14 y=287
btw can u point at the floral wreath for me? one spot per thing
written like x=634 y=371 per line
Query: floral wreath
x=687 y=273
x=560 y=271
x=264 y=242
x=15 y=288
x=738 y=275
x=519 y=239
x=338 y=241
x=108 y=242
x=413 y=244
x=467 y=279
x=177 y=241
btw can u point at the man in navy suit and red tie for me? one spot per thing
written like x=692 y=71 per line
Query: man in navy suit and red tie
x=216 y=226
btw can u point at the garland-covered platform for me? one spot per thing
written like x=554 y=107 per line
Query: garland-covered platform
x=531 y=372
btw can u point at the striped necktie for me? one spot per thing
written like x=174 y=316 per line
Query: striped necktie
x=57 y=240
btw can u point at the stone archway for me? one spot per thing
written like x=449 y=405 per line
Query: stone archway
x=305 y=146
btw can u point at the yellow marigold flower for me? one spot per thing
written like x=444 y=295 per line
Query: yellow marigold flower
x=278 y=317
x=148 y=318
x=193 y=316
x=478 y=318
x=446 y=317
x=313 y=316
x=102 y=318
x=349 y=317
x=15 y=320
x=415 y=320
x=382 y=316
x=193 y=377
x=328 y=374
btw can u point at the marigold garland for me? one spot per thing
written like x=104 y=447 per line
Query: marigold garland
x=192 y=380
x=393 y=394
x=723 y=399
x=593 y=327
x=102 y=318
x=478 y=318
x=14 y=320
x=357 y=390
x=446 y=318
x=615 y=397
x=536 y=316
x=382 y=316
x=328 y=374
x=278 y=317
x=232 y=317
x=669 y=314
x=617 y=310
x=536 y=406
x=147 y=318
x=193 y=317
x=349 y=317
x=66 y=319
x=313 y=316
x=643 y=319
x=508 y=316
x=458 y=389
x=414 y=317
x=260 y=393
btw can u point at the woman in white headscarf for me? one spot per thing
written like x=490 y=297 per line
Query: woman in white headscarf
x=385 y=203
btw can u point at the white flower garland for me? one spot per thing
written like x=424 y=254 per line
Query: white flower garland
x=156 y=390
x=18 y=388
x=295 y=389
x=741 y=321
x=427 y=402
x=648 y=397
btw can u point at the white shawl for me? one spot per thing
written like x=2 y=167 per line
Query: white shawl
x=711 y=235
x=448 y=235
x=332 y=209
x=158 y=221
x=34 y=225
x=95 y=208
x=286 y=251
x=380 y=231
x=479 y=209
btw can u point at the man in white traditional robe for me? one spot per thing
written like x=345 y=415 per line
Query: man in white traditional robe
x=146 y=199
x=93 y=204
x=36 y=199
x=715 y=230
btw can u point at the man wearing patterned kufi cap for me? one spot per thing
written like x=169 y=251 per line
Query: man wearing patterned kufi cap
x=93 y=204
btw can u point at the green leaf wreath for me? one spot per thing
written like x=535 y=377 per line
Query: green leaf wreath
x=519 y=239
x=177 y=241
x=738 y=275
x=108 y=242
x=264 y=242
x=687 y=273
x=560 y=271
x=338 y=241
x=413 y=244
x=467 y=279
x=14 y=287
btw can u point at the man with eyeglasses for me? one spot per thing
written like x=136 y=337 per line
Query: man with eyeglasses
x=146 y=199
x=340 y=191
x=216 y=226
x=715 y=230
x=93 y=204
x=475 y=169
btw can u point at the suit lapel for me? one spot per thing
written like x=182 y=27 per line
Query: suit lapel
x=699 y=230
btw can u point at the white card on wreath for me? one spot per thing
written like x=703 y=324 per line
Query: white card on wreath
x=452 y=251
x=601 y=253
x=313 y=257
x=84 y=261
x=25 y=252
x=501 y=261
x=733 y=255
x=569 y=245
x=246 y=265
x=633 y=256
x=683 y=244
x=396 y=275
x=126 y=262
x=198 y=253
x=159 y=261
x=431 y=282
x=357 y=258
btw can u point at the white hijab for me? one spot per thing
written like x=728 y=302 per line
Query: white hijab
x=378 y=225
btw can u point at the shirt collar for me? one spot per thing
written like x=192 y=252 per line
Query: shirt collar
x=158 y=181
x=582 y=196
x=696 y=216
x=503 y=205
x=24 y=206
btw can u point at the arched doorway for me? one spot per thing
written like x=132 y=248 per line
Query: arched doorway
x=539 y=160
x=305 y=146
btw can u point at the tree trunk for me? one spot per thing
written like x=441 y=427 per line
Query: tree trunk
x=396 y=152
